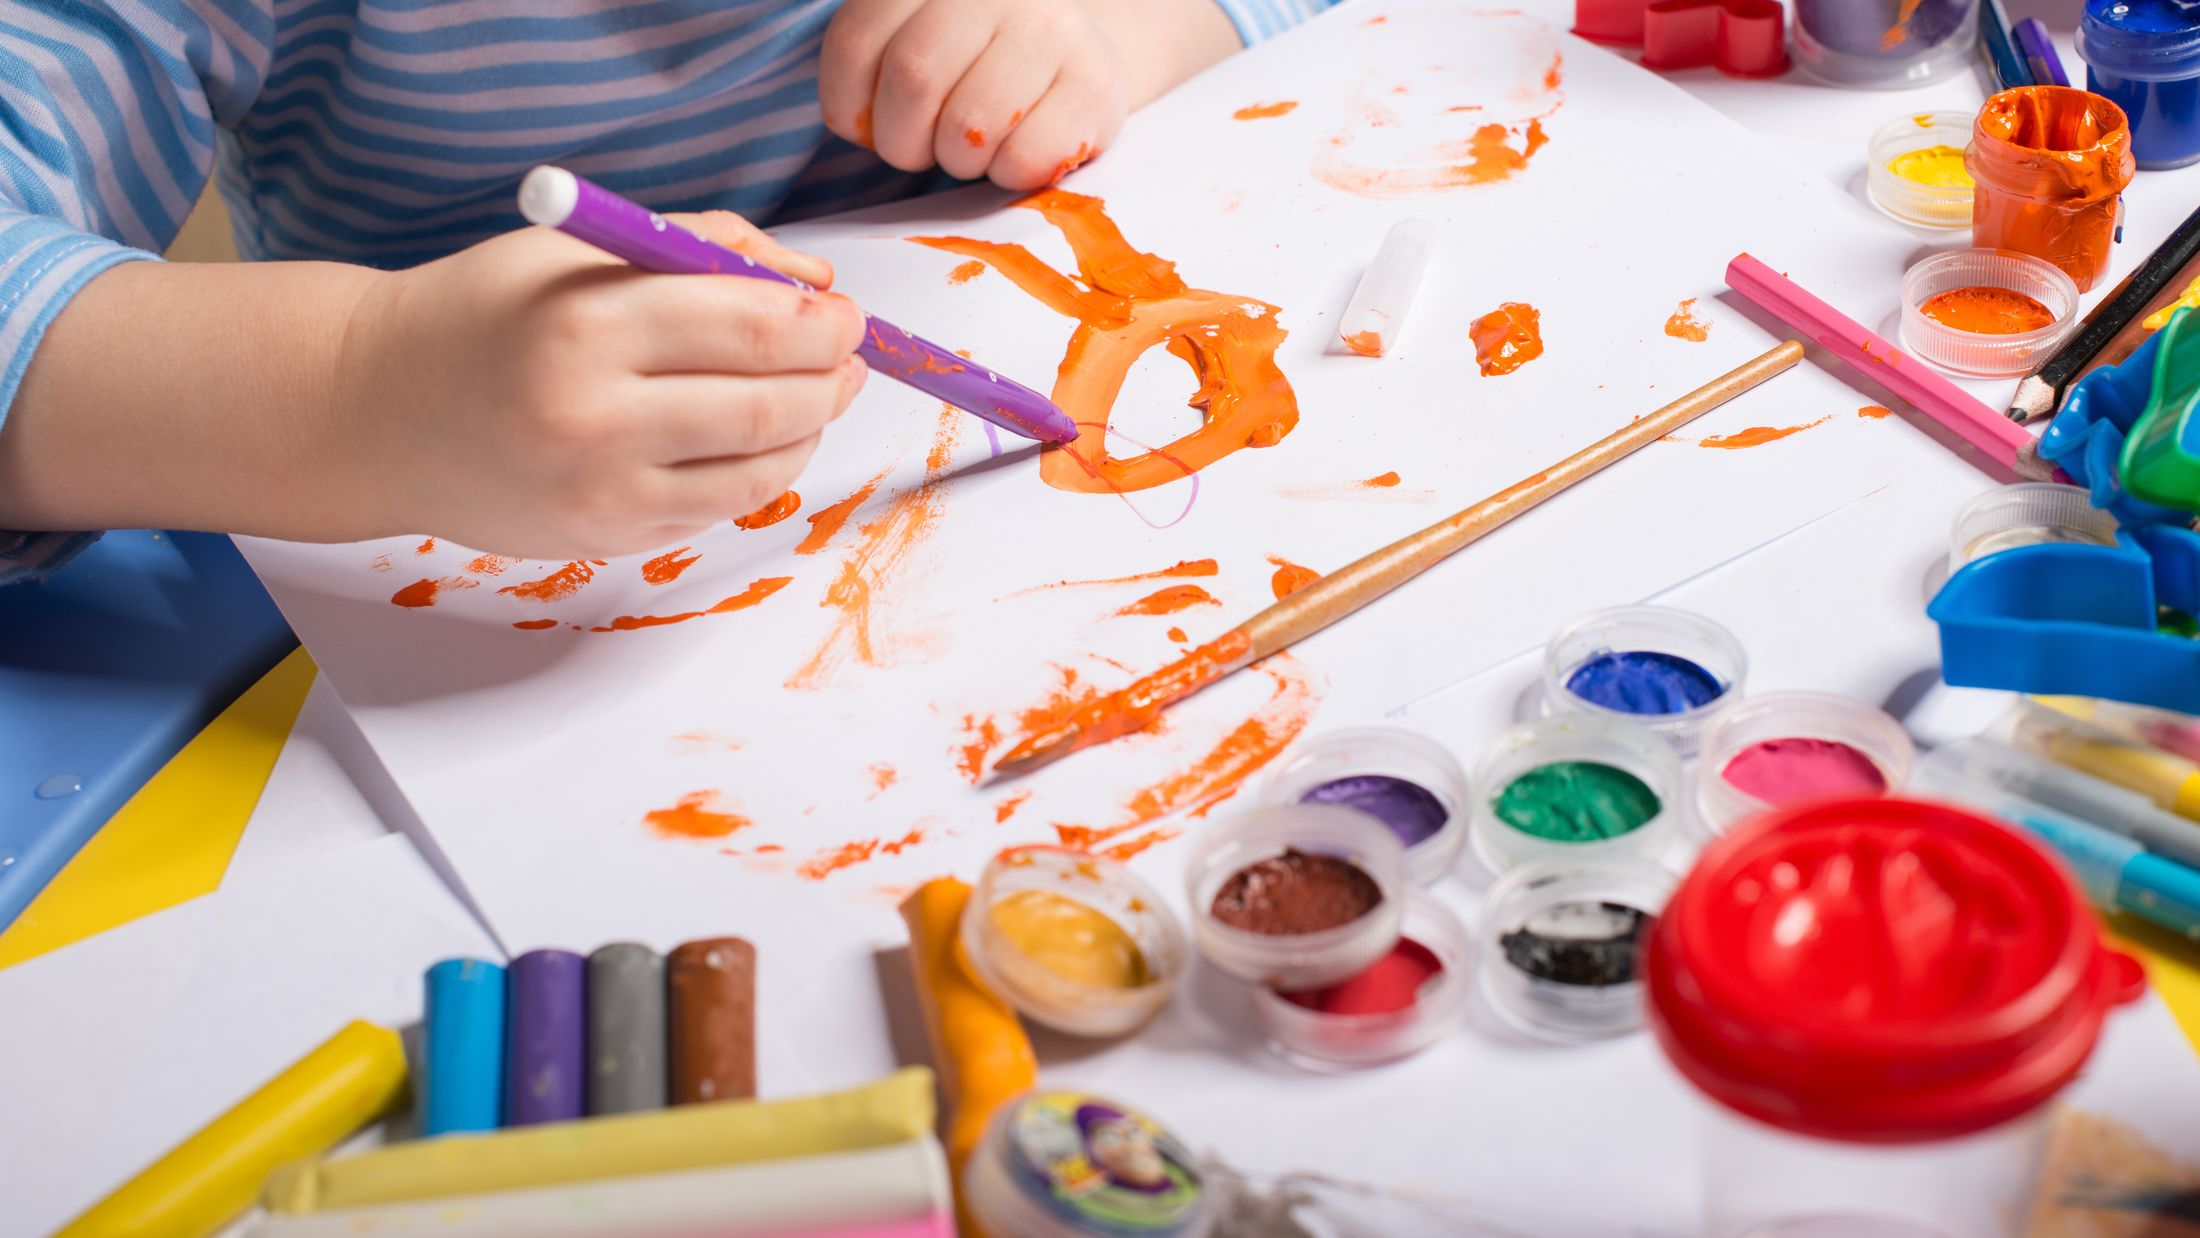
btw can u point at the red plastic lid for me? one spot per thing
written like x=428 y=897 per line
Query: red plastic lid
x=1880 y=971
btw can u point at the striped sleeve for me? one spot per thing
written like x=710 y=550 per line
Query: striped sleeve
x=1264 y=19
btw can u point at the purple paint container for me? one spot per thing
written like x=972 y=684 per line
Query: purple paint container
x=1401 y=778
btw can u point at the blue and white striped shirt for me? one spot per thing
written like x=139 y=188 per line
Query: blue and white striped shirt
x=391 y=132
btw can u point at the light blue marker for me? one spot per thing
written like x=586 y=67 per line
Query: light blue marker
x=462 y=1076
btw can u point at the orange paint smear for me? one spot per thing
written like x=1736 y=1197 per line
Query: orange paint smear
x=847 y=855
x=1138 y=706
x=1171 y=600
x=984 y=736
x=1507 y=338
x=557 y=586
x=1262 y=111
x=886 y=548
x=1128 y=303
x=1129 y=847
x=964 y=272
x=1684 y=325
x=1078 y=159
x=1007 y=807
x=863 y=126
x=690 y=819
x=827 y=521
x=757 y=591
x=666 y=568
x=1382 y=480
x=1290 y=577
x=425 y=548
x=381 y=562
x=1757 y=436
x=535 y=625
x=975 y=136
x=1874 y=411
x=489 y=565
x=1485 y=157
x=1983 y=309
x=425 y=592
x=1177 y=635
x=1365 y=343
x=771 y=513
x=1188 y=567
x=882 y=777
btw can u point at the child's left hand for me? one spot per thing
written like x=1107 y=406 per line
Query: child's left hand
x=1021 y=91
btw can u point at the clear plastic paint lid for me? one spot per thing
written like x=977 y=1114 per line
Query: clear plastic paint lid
x=1128 y=977
x=1608 y=662
x=1785 y=747
x=1561 y=942
x=1988 y=355
x=1315 y=832
x=1406 y=780
x=1324 y=1040
x=2143 y=40
x=2029 y=513
x=1073 y=1165
x=1569 y=786
x=1909 y=148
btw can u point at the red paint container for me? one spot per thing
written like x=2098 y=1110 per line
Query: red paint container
x=2051 y=164
x=1854 y=973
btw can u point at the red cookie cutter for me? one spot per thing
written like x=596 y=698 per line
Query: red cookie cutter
x=1742 y=38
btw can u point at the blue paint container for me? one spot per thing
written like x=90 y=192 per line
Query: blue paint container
x=2144 y=55
x=1664 y=669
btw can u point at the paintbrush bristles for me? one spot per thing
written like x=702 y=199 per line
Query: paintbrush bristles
x=1369 y=577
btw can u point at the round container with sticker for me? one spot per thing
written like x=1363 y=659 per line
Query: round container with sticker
x=1575 y=785
x=1786 y=747
x=1665 y=669
x=1401 y=778
x=1072 y=1165
x=1560 y=944
x=1296 y=895
x=1072 y=940
x=1403 y=1004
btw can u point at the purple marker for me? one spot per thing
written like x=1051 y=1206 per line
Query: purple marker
x=545 y=1072
x=555 y=198
x=2038 y=50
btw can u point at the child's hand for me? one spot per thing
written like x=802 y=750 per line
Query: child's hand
x=1021 y=91
x=534 y=397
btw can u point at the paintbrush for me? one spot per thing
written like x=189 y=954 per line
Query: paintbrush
x=2041 y=392
x=1353 y=586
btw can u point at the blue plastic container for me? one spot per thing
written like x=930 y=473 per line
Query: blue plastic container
x=2145 y=56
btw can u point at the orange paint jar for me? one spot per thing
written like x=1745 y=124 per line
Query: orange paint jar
x=2051 y=164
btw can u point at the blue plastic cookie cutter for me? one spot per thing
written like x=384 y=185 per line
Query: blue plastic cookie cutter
x=2065 y=619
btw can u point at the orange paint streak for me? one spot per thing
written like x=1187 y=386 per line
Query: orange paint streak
x=1007 y=807
x=886 y=549
x=1290 y=577
x=757 y=591
x=535 y=625
x=1507 y=338
x=690 y=819
x=666 y=568
x=985 y=736
x=964 y=272
x=1874 y=412
x=1757 y=436
x=1171 y=600
x=381 y=562
x=1188 y=567
x=1365 y=343
x=557 y=586
x=1262 y=111
x=489 y=565
x=1684 y=325
x=1177 y=635
x=1382 y=480
x=882 y=777
x=975 y=136
x=847 y=855
x=827 y=521
x=425 y=548
x=1375 y=21
x=1138 y=706
x=1128 y=303
x=1125 y=850
x=771 y=513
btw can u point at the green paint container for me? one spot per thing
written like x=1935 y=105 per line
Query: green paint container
x=1575 y=785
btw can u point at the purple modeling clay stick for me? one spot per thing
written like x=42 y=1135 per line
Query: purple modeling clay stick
x=555 y=198
x=544 y=1069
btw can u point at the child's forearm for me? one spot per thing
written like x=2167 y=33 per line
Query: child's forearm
x=1165 y=42
x=188 y=396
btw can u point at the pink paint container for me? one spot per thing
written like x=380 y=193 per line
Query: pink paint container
x=1784 y=747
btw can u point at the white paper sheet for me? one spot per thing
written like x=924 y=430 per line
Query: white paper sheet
x=535 y=756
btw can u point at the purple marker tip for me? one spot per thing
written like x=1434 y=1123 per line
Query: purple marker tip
x=555 y=198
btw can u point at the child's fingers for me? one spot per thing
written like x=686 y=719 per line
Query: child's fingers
x=690 y=417
x=848 y=62
x=1067 y=127
x=723 y=489
x=750 y=241
x=923 y=62
x=988 y=104
x=691 y=324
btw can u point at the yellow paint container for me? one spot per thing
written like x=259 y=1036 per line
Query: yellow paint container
x=1072 y=940
x=1914 y=170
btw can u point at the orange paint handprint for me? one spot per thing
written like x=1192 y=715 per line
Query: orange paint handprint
x=1129 y=302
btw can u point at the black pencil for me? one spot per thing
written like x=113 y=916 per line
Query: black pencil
x=2040 y=394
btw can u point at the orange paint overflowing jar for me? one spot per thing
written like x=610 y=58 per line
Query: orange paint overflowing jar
x=1989 y=312
x=2051 y=164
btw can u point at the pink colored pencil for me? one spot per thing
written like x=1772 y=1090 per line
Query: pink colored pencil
x=1989 y=431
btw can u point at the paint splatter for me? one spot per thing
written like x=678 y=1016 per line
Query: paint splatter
x=1135 y=708
x=983 y=735
x=1757 y=436
x=489 y=565
x=425 y=548
x=1177 y=635
x=1507 y=338
x=707 y=739
x=1262 y=111
x=825 y=863
x=975 y=137
x=557 y=586
x=426 y=592
x=882 y=777
x=666 y=568
x=1684 y=325
x=1365 y=343
x=690 y=819
x=535 y=625
x=757 y=591
x=825 y=522
x=1079 y=158
x=771 y=513
x=381 y=562
x=1124 y=850
x=1874 y=412
x=1129 y=302
x=1290 y=577
x=1184 y=568
x=964 y=272
x=863 y=127
x=1005 y=809
x=1171 y=600
x=1382 y=480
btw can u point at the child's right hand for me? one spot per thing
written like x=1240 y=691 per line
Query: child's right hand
x=534 y=397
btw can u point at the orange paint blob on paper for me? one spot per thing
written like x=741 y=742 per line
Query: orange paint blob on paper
x=1684 y=325
x=1177 y=635
x=1126 y=302
x=535 y=625
x=557 y=586
x=964 y=272
x=1382 y=481
x=666 y=568
x=1757 y=436
x=827 y=521
x=691 y=818
x=757 y=591
x=771 y=513
x=1365 y=343
x=489 y=565
x=882 y=777
x=1171 y=600
x=1507 y=338
x=425 y=548
x=1005 y=809
x=418 y=593
x=975 y=137
x=1875 y=411
x=1262 y=111
x=1290 y=577
x=1984 y=309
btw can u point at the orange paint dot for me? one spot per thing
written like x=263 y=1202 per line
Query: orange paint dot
x=1365 y=343
x=1262 y=111
x=975 y=136
x=771 y=513
x=1171 y=600
x=690 y=819
x=535 y=625
x=1007 y=808
x=1290 y=577
x=882 y=777
x=418 y=593
x=425 y=548
x=1507 y=338
x=557 y=586
x=490 y=565
x=666 y=568
x=1177 y=635
x=966 y=271
x=1684 y=325
x=1874 y=411
x=1382 y=480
